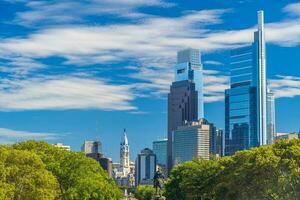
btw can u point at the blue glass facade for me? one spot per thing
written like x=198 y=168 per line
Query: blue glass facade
x=160 y=149
x=189 y=67
x=245 y=101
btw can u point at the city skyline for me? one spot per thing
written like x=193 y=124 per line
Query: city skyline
x=80 y=77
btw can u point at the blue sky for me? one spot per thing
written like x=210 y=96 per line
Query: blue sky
x=76 y=70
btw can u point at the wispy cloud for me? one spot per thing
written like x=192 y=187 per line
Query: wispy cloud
x=68 y=11
x=64 y=93
x=149 y=45
x=292 y=9
x=10 y=136
x=285 y=86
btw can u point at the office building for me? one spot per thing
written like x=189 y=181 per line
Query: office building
x=271 y=130
x=105 y=163
x=185 y=100
x=62 y=146
x=246 y=100
x=93 y=149
x=90 y=146
x=145 y=167
x=192 y=140
x=220 y=142
x=159 y=147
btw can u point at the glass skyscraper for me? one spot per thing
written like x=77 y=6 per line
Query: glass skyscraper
x=159 y=147
x=185 y=100
x=246 y=100
x=189 y=67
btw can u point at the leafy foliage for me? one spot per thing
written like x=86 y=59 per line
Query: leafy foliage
x=268 y=172
x=40 y=168
x=24 y=176
x=144 y=192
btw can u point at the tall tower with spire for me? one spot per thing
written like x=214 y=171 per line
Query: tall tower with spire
x=124 y=155
x=246 y=100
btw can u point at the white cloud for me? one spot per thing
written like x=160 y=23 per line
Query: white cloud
x=20 y=66
x=293 y=9
x=285 y=86
x=215 y=83
x=64 y=93
x=10 y=136
x=151 y=43
x=68 y=11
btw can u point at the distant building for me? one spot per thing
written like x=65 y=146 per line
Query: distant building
x=123 y=172
x=104 y=162
x=220 y=142
x=124 y=154
x=192 y=140
x=61 y=145
x=271 y=130
x=287 y=136
x=185 y=100
x=91 y=146
x=145 y=167
x=159 y=147
x=93 y=149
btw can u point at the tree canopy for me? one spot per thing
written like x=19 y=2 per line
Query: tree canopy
x=37 y=170
x=144 y=192
x=267 y=172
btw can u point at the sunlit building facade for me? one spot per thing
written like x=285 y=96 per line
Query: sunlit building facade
x=185 y=100
x=192 y=140
x=246 y=100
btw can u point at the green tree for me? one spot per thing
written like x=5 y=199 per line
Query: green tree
x=267 y=172
x=79 y=177
x=24 y=176
x=193 y=180
x=144 y=192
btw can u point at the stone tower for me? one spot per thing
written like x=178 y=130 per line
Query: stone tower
x=124 y=155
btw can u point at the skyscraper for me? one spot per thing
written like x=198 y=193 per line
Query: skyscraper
x=246 y=100
x=124 y=155
x=185 y=100
x=145 y=167
x=271 y=130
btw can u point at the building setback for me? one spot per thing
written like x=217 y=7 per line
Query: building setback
x=185 y=100
x=246 y=100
